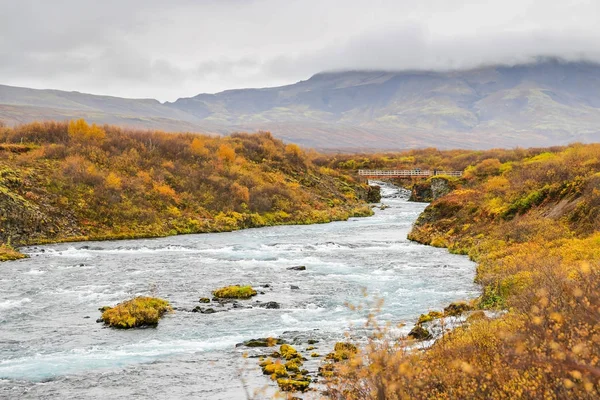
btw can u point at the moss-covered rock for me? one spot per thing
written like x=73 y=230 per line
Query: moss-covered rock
x=275 y=370
x=235 y=292
x=293 y=366
x=204 y=300
x=342 y=351
x=430 y=316
x=288 y=352
x=327 y=370
x=457 y=308
x=419 y=333
x=292 y=385
x=137 y=312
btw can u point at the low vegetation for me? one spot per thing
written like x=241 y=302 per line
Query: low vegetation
x=75 y=181
x=134 y=313
x=8 y=253
x=235 y=292
x=531 y=219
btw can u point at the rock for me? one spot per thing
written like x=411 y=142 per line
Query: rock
x=429 y=317
x=197 y=309
x=262 y=342
x=419 y=333
x=374 y=194
x=298 y=268
x=208 y=311
x=86 y=317
x=312 y=341
x=99 y=320
x=457 y=308
x=204 y=300
x=294 y=287
x=266 y=285
x=272 y=305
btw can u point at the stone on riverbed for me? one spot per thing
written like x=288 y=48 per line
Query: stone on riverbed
x=298 y=268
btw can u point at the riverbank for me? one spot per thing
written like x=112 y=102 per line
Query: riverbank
x=74 y=181
x=532 y=226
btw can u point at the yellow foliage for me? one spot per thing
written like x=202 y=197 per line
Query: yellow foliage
x=226 y=153
x=113 y=181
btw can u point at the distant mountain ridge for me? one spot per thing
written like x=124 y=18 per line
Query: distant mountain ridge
x=544 y=103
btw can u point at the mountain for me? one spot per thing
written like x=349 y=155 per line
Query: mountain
x=539 y=104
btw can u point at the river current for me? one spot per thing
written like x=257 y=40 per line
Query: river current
x=52 y=347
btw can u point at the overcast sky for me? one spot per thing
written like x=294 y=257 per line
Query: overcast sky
x=167 y=49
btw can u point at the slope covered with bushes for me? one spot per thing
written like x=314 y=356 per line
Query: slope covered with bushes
x=533 y=225
x=66 y=181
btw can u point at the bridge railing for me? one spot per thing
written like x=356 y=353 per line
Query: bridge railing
x=405 y=172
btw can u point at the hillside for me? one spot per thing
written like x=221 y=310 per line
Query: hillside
x=539 y=104
x=73 y=181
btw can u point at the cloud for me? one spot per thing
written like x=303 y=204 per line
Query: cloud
x=166 y=50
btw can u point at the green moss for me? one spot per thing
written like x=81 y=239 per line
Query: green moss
x=235 y=292
x=140 y=311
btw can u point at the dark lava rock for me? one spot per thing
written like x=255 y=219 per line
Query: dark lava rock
x=204 y=300
x=99 y=320
x=298 y=268
x=208 y=311
x=294 y=287
x=86 y=317
x=272 y=305
x=312 y=341
x=197 y=309
x=261 y=342
x=266 y=285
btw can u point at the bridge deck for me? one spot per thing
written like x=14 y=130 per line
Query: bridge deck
x=404 y=173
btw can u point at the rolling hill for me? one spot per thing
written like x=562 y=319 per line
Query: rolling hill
x=539 y=104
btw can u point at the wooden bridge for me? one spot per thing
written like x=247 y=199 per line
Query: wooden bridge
x=405 y=173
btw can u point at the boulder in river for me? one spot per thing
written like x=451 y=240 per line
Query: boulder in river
x=204 y=300
x=262 y=342
x=294 y=287
x=298 y=268
x=270 y=305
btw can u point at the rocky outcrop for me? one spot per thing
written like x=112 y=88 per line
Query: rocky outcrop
x=431 y=189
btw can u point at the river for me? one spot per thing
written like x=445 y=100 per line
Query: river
x=52 y=347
